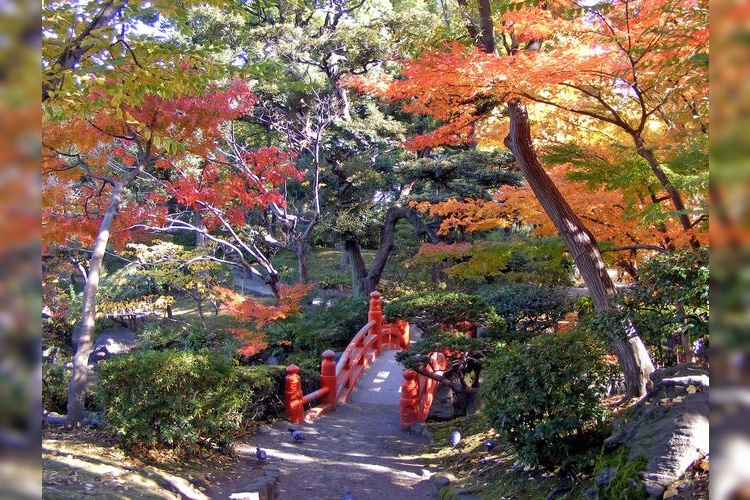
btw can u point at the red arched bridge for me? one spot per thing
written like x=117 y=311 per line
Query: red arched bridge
x=338 y=380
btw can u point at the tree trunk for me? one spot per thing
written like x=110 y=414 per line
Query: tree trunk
x=83 y=336
x=71 y=56
x=487 y=29
x=200 y=238
x=359 y=270
x=634 y=359
x=302 y=261
x=363 y=281
x=674 y=195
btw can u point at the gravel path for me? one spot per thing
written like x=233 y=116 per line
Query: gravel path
x=359 y=448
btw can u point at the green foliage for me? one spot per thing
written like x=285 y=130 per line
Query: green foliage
x=55 y=388
x=429 y=310
x=172 y=398
x=337 y=280
x=670 y=298
x=265 y=385
x=528 y=309
x=461 y=351
x=518 y=260
x=544 y=396
x=327 y=326
x=466 y=174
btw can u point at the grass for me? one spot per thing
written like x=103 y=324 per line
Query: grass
x=322 y=264
x=495 y=474
x=85 y=463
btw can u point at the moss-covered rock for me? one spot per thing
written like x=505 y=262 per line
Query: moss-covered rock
x=618 y=476
x=663 y=435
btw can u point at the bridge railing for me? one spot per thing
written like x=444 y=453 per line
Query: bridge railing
x=339 y=379
x=418 y=391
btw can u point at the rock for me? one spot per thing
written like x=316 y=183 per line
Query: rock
x=440 y=481
x=677 y=371
x=442 y=404
x=112 y=342
x=52 y=418
x=272 y=361
x=657 y=439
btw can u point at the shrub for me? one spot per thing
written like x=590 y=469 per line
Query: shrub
x=172 y=398
x=265 y=387
x=429 y=310
x=545 y=395
x=328 y=326
x=55 y=388
x=528 y=309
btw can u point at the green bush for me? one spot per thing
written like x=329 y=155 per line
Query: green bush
x=326 y=326
x=265 y=386
x=669 y=300
x=528 y=309
x=172 y=398
x=55 y=388
x=429 y=310
x=544 y=396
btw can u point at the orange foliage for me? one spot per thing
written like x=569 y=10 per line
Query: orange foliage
x=638 y=67
x=235 y=190
x=470 y=215
x=602 y=211
x=247 y=310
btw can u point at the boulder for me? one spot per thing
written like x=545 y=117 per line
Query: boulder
x=442 y=404
x=658 y=438
x=112 y=342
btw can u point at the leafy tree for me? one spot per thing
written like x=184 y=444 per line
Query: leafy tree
x=108 y=45
x=93 y=169
x=668 y=304
x=622 y=47
x=464 y=359
x=249 y=311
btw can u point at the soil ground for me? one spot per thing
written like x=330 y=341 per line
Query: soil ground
x=357 y=448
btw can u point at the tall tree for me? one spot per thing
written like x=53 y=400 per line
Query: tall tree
x=632 y=65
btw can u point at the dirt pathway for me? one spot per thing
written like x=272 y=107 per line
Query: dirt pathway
x=358 y=448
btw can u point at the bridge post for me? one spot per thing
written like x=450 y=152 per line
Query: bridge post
x=409 y=401
x=293 y=395
x=376 y=314
x=403 y=332
x=328 y=377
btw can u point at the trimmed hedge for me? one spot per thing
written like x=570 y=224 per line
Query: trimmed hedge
x=545 y=397
x=429 y=310
x=179 y=399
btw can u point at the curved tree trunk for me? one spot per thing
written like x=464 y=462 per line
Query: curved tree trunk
x=363 y=281
x=83 y=336
x=634 y=359
x=648 y=154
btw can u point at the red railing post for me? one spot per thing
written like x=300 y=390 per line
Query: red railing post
x=376 y=314
x=293 y=395
x=403 y=332
x=328 y=377
x=408 y=405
